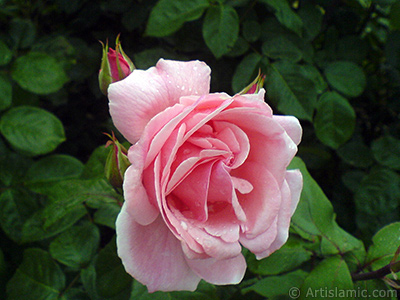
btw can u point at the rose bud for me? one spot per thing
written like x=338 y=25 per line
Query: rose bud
x=255 y=86
x=208 y=175
x=117 y=162
x=115 y=66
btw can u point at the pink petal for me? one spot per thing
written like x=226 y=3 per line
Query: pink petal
x=227 y=271
x=224 y=224
x=253 y=100
x=242 y=185
x=270 y=145
x=185 y=78
x=291 y=190
x=144 y=94
x=139 y=200
x=262 y=204
x=261 y=242
x=213 y=246
x=153 y=256
x=236 y=139
x=294 y=179
x=192 y=191
x=292 y=127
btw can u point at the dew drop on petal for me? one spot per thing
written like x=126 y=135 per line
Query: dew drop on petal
x=184 y=225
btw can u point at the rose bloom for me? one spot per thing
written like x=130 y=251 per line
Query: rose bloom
x=208 y=175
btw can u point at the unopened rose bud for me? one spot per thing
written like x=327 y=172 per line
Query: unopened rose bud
x=255 y=86
x=115 y=66
x=117 y=162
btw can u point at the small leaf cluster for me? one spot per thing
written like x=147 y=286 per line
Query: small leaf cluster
x=334 y=64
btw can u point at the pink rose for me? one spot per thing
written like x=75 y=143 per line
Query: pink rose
x=208 y=175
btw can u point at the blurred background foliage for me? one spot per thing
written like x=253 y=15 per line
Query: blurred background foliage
x=334 y=64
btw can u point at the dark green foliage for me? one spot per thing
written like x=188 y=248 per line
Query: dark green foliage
x=335 y=65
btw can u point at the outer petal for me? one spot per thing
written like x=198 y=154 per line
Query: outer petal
x=139 y=200
x=291 y=190
x=294 y=179
x=292 y=127
x=227 y=271
x=143 y=94
x=153 y=256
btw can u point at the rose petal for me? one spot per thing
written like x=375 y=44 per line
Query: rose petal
x=143 y=94
x=227 y=271
x=242 y=185
x=253 y=100
x=139 y=200
x=261 y=242
x=292 y=127
x=236 y=139
x=224 y=224
x=291 y=190
x=192 y=191
x=261 y=205
x=153 y=255
x=294 y=179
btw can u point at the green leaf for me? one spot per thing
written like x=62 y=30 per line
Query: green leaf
x=386 y=151
x=384 y=244
x=352 y=180
x=38 y=277
x=94 y=167
x=220 y=29
x=377 y=199
x=278 y=285
x=22 y=32
x=312 y=73
x=5 y=54
x=246 y=71
x=107 y=214
x=369 y=289
x=68 y=193
x=54 y=218
x=356 y=153
x=330 y=279
x=39 y=73
x=5 y=92
x=314 y=218
x=31 y=130
x=204 y=291
x=280 y=47
x=335 y=120
x=16 y=207
x=286 y=15
x=112 y=281
x=76 y=246
x=13 y=168
x=240 y=48
x=251 y=30
x=289 y=257
x=292 y=92
x=168 y=16
x=312 y=18
x=346 y=77
x=53 y=168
